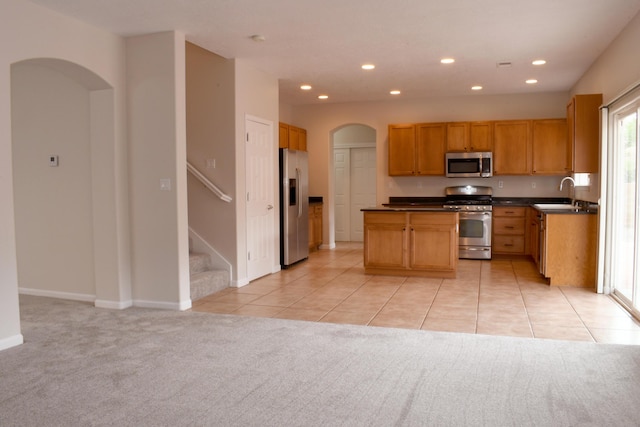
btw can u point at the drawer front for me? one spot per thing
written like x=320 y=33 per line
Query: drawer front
x=508 y=244
x=514 y=211
x=385 y=218
x=506 y=225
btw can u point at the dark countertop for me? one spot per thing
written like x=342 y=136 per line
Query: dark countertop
x=406 y=208
x=435 y=203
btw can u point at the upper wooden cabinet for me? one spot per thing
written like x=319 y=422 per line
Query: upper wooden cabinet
x=430 y=148
x=417 y=149
x=550 y=154
x=469 y=136
x=512 y=147
x=292 y=137
x=458 y=136
x=402 y=150
x=583 y=124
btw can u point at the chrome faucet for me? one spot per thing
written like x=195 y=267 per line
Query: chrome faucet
x=567 y=178
x=573 y=200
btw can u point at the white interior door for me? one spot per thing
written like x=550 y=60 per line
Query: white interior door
x=363 y=188
x=260 y=197
x=355 y=188
x=341 y=164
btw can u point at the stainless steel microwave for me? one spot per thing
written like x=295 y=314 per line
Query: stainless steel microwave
x=469 y=165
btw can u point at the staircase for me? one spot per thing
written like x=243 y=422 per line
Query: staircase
x=204 y=280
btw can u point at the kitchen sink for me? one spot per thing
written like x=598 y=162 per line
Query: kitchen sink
x=554 y=206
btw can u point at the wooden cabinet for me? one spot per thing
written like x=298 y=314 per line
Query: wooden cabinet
x=292 y=137
x=512 y=147
x=569 y=249
x=508 y=231
x=534 y=234
x=315 y=226
x=458 y=136
x=411 y=244
x=416 y=149
x=430 y=149
x=583 y=124
x=550 y=153
x=402 y=150
x=469 y=136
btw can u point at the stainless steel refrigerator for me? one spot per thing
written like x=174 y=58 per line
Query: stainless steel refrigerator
x=294 y=206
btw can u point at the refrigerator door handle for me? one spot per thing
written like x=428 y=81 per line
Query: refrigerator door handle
x=298 y=191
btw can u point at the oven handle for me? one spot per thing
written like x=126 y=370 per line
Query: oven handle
x=472 y=248
x=467 y=213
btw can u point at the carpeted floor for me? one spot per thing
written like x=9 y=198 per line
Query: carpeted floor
x=82 y=366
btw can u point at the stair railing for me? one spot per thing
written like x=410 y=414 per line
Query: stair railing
x=210 y=185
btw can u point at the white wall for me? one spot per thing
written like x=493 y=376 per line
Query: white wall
x=321 y=119
x=29 y=31
x=53 y=205
x=211 y=135
x=157 y=147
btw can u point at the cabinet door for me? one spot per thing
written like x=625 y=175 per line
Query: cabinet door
x=583 y=118
x=302 y=139
x=433 y=241
x=430 y=148
x=550 y=147
x=402 y=150
x=431 y=247
x=481 y=136
x=283 y=136
x=512 y=147
x=458 y=136
x=385 y=240
x=294 y=138
x=534 y=236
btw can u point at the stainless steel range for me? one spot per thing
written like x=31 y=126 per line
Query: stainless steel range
x=474 y=204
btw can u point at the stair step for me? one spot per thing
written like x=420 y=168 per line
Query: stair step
x=205 y=283
x=198 y=262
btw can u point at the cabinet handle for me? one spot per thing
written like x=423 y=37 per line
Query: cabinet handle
x=509 y=227
x=508 y=244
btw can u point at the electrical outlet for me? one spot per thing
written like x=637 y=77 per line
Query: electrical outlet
x=533 y=185
x=500 y=184
x=211 y=163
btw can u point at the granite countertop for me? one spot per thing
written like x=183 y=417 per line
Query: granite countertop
x=407 y=208
x=435 y=204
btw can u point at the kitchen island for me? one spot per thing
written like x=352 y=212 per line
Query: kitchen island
x=411 y=241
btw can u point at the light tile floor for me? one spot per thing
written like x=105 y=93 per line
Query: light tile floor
x=498 y=297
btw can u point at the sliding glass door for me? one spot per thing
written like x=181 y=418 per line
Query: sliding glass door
x=623 y=218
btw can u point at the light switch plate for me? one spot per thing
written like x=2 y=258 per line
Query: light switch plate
x=165 y=184
x=53 y=161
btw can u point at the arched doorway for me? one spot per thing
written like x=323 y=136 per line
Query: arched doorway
x=65 y=172
x=354 y=171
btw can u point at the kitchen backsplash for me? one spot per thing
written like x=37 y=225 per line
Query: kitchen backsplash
x=503 y=186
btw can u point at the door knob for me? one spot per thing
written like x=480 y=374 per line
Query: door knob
x=269 y=207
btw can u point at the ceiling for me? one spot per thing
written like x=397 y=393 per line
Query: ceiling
x=324 y=43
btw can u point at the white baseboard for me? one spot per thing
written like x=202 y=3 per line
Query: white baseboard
x=163 y=305
x=113 y=305
x=13 y=341
x=239 y=283
x=57 y=294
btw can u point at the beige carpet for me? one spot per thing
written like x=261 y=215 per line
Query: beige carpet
x=82 y=366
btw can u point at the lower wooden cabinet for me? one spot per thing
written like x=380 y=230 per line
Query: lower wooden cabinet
x=411 y=243
x=509 y=225
x=569 y=249
x=315 y=226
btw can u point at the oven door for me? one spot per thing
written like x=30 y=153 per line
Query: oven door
x=475 y=228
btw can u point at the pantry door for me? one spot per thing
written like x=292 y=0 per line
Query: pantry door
x=623 y=215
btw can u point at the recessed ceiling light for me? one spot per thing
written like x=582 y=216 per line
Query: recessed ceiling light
x=323 y=96
x=476 y=87
x=539 y=62
x=395 y=92
x=368 y=67
x=531 y=81
x=305 y=87
x=447 y=60
x=258 y=38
